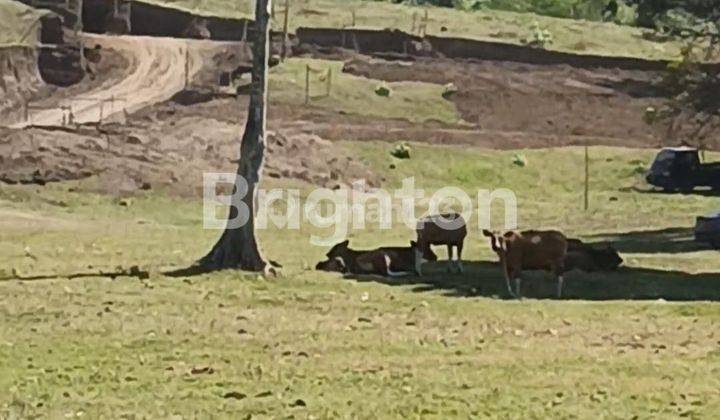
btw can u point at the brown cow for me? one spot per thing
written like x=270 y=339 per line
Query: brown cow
x=385 y=261
x=442 y=229
x=530 y=250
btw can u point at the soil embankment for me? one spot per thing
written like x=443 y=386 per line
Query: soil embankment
x=19 y=80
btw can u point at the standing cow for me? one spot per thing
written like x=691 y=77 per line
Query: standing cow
x=442 y=229
x=530 y=250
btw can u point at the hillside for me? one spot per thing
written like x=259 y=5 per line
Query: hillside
x=17 y=22
x=568 y=35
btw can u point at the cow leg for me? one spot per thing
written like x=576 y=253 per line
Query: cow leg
x=558 y=270
x=418 y=255
x=450 y=259
x=508 y=275
x=389 y=272
x=518 y=282
x=560 y=286
x=459 y=247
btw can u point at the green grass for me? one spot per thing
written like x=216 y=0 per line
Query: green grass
x=126 y=348
x=18 y=23
x=569 y=35
x=414 y=101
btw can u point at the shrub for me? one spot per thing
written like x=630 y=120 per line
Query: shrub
x=401 y=151
x=383 y=90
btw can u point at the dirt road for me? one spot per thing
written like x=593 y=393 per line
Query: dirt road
x=156 y=71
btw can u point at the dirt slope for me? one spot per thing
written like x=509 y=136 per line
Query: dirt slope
x=156 y=71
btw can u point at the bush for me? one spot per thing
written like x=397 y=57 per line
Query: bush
x=449 y=90
x=383 y=90
x=401 y=151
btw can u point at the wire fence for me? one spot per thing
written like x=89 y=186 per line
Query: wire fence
x=78 y=110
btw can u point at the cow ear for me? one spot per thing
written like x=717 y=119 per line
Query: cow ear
x=345 y=243
x=413 y=244
x=487 y=233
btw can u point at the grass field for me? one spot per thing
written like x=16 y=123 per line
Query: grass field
x=18 y=23
x=311 y=344
x=413 y=101
x=569 y=35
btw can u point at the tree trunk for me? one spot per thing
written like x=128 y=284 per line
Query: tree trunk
x=237 y=247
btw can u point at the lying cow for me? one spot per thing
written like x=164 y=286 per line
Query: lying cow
x=591 y=257
x=529 y=250
x=385 y=261
x=443 y=229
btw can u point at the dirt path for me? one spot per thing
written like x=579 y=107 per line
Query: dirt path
x=156 y=71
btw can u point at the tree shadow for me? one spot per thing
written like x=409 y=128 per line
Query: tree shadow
x=133 y=271
x=482 y=278
x=700 y=191
x=666 y=241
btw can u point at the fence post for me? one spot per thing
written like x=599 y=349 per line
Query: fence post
x=283 y=48
x=78 y=29
x=187 y=65
x=355 y=43
x=307 y=84
x=352 y=11
x=424 y=28
x=26 y=111
x=587 y=176
x=329 y=81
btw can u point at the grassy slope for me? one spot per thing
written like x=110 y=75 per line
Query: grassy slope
x=16 y=23
x=94 y=346
x=569 y=35
x=415 y=101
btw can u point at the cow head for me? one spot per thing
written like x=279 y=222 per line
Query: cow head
x=335 y=265
x=606 y=257
x=497 y=242
x=336 y=258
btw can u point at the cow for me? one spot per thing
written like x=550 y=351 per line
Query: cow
x=529 y=250
x=384 y=261
x=442 y=229
x=591 y=257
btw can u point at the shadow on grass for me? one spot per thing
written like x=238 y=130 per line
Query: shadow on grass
x=666 y=241
x=133 y=271
x=486 y=279
x=700 y=191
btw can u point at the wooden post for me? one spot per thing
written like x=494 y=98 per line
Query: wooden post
x=352 y=11
x=187 y=66
x=424 y=32
x=356 y=46
x=78 y=30
x=329 y=81
x=412 y=29
x=283 y=47
x=307 y=84
x=587 y=177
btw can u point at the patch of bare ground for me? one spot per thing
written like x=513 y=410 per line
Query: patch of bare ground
x=550 y=100
x=169 y=146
